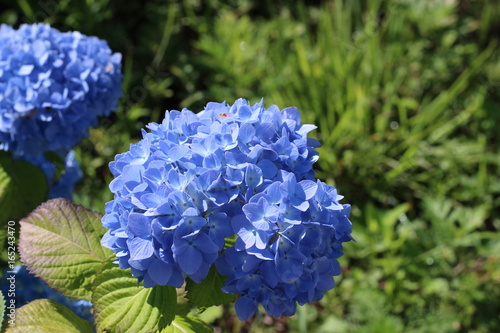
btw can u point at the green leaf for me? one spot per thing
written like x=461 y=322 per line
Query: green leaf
x=43 y=315
x=2 y=306
x=3 y=238
x=208 y=292
x=23 y=187
x=61 y=243
x=185 y=324
x=121 y=304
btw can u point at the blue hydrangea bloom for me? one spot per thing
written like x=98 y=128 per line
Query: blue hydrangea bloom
x=53 y=87
x=290 y=237
x=30 y=288
x=240 y=171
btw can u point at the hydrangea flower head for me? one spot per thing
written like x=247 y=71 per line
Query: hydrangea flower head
x=240 y=171
x=53 y=86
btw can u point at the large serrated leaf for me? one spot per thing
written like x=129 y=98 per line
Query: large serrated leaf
x=61 y=243
x=188 y=324
x=23 y=186
x=43 y=315
x=121 y=304
x=208 y=292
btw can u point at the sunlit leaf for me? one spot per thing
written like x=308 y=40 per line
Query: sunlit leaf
x=121 y=304
x=43 y=315
x=61 y=243
x=188 y=324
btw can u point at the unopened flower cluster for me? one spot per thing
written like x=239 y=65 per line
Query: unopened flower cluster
x=53 y=86
x=238 y=172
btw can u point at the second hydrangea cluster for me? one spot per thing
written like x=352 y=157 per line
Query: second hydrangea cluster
x=242 y=173
x=53 y=86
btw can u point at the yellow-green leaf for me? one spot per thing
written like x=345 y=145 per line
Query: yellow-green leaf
x=46 y=316
x=61 y=243
x=121 y=304
x=188 y=324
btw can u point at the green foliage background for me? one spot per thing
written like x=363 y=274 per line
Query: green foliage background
x=406 y=95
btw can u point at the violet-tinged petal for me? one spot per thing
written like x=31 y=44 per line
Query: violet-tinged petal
x=140 y=248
